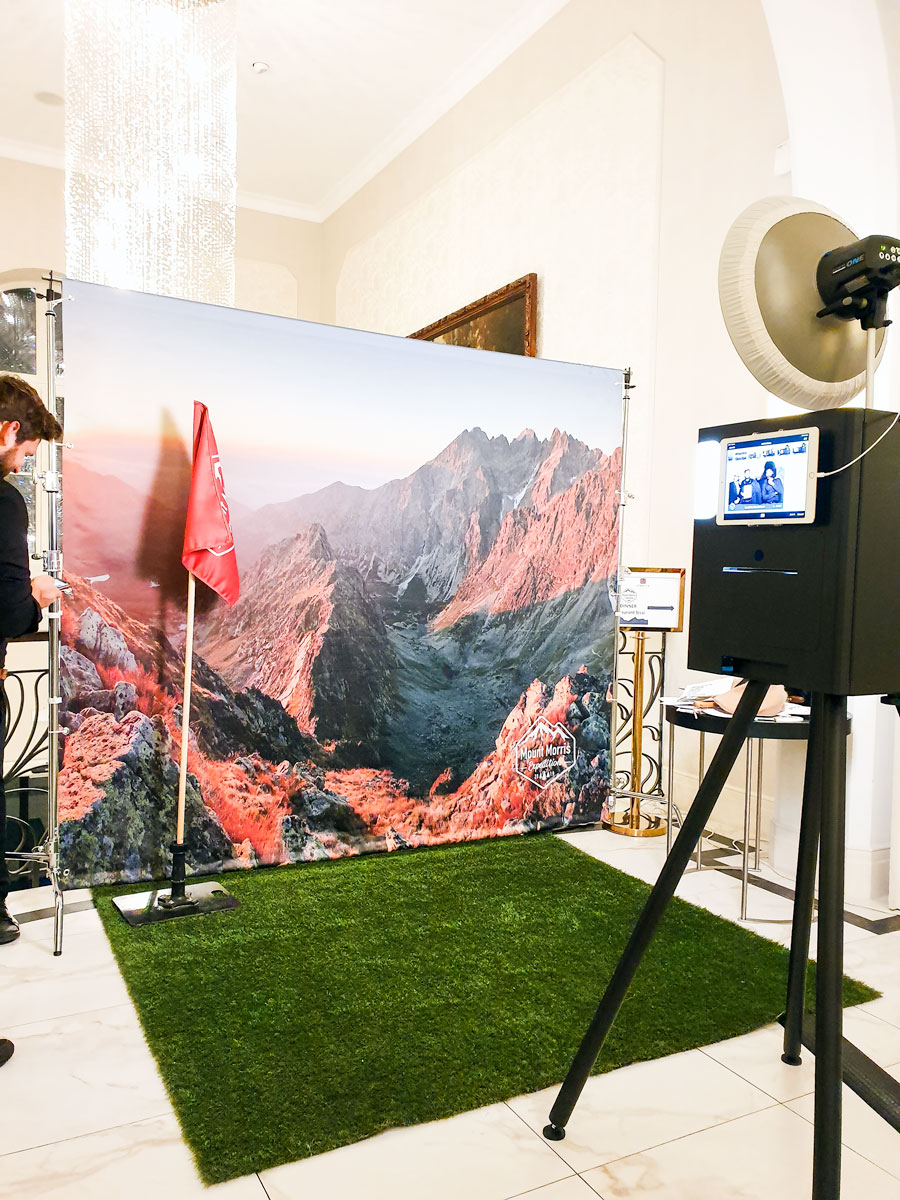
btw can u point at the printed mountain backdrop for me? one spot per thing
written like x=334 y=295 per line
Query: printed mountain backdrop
x=391 y=649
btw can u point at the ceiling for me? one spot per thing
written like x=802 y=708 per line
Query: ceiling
x=350 y=84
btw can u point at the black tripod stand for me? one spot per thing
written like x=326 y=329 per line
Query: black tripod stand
x=822 y=835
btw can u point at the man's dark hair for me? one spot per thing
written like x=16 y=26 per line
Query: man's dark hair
x=20 y=402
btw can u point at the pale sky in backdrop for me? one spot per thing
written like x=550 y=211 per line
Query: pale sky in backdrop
x=294 y=405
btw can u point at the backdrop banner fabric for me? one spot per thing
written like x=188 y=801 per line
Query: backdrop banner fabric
x=427 y=542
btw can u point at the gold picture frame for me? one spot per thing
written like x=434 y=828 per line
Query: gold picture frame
x=504 y=321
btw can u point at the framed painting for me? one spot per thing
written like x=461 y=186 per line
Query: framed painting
x=504 y=320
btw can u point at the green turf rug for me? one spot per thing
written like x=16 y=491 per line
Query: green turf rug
x=346 y=997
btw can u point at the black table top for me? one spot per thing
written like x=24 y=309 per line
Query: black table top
x=697 y=719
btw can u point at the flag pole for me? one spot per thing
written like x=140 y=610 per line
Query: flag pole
x=178 y=894
x=207 y=538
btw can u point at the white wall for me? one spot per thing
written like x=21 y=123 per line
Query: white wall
x=32 y=216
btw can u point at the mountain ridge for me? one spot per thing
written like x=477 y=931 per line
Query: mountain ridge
x=303 y=629
x=435 y=524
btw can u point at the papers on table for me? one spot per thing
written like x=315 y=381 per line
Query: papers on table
x=709 y=689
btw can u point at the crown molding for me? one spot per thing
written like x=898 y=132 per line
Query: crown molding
x=49 y=156
x=30 y=152
x=279 y=207
x=475 y=70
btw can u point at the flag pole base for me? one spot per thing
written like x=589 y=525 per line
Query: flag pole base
x=150 y=908
x=177 y=897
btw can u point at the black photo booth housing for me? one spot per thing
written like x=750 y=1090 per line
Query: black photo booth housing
x=815 y=607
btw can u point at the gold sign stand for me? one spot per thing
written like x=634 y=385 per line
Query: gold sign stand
x=632 y=822
x=639 y=588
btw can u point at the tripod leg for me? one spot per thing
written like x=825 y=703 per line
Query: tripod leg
x=830 y=958
x=805 y=885
x=692 y=827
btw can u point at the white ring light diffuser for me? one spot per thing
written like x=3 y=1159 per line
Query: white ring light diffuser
x=769 y=299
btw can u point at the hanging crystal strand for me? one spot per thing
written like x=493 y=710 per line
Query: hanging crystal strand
x=151 y=145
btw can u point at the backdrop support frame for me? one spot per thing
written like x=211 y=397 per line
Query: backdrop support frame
x=45 y=856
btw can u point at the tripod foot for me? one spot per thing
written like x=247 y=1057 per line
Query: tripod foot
x=553 y=1133
x=792 y=1060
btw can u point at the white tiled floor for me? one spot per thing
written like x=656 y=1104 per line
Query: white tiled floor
x=85 y=1114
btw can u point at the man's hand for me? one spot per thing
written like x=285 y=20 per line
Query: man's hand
x=44 y=590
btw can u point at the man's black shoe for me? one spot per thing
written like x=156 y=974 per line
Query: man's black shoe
x=9 y=926
x=6 y=1050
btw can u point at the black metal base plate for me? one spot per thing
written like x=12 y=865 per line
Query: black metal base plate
x=143 y=908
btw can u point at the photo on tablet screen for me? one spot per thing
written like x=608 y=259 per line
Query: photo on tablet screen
x=769 y=477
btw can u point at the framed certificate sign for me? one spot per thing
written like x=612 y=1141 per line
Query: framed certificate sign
x=651 y=598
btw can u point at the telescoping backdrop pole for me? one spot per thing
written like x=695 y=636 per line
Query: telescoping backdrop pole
x=178 y=895
x=54 y=568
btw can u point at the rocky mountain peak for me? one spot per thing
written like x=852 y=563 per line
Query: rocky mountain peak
x=304 y=625
x=313 y=542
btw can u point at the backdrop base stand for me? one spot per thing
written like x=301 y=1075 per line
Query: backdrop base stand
x=149 y=908
x=632 y=821
x=651 y=827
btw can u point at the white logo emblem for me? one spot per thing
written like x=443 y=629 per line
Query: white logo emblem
x=545 y=753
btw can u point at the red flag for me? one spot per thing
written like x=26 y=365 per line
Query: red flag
x=208 y=541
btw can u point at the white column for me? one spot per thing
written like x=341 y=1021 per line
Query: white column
x=833 y=64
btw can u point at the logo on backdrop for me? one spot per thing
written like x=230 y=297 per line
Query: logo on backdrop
x=545 y=753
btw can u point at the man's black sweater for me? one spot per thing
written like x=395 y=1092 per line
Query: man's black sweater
x=19 y=611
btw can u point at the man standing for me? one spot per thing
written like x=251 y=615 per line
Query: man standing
x=24 y=423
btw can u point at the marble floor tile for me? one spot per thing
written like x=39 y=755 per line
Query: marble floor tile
x=74 y=925
x=573 y=1188
x=886 y=1008
x=600 y=842
x=29 y=899
x=143 y=1161
x=763 y=906
x=768 y=914
x=862 y=1129
x=876 y=961
x=639 y=1106
x=78 y=1074
x=764 y=1156
x=852 y=934
x=712 y=890
x=37 y=986
x=487 y=1154
x=756 y=1056
x=641 y=867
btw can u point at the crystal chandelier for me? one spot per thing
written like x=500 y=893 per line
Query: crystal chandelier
x=151 y=145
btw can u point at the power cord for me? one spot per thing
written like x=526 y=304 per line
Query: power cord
x=837 y=470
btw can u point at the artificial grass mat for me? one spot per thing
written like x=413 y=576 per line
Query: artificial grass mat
x=343 y=998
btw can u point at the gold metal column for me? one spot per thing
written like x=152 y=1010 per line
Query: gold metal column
x=633 y=822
